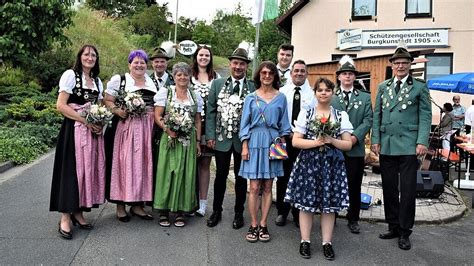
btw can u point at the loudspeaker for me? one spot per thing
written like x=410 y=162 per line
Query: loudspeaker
x=429 y=184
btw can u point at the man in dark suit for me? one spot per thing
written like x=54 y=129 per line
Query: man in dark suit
x=159 y=61
x=299 y=95
x=358 y=106
x=223 y=113
x=400 y=132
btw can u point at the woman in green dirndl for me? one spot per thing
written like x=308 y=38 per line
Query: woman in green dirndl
x=177 y=112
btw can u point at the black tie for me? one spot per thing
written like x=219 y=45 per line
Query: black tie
x=236 y=87
x=346 y=97
x=397 y=87
x=296 y=105
x=160 y=80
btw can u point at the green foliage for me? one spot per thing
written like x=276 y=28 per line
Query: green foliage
x=14 y=86
x=33 y=109
x=24 y=144
x=152 y=21
x=29 y=27
x=107 y=35
x=203 y=33
x=230 y=30
x=119 y=8
x=270 y=39
x=186 y=27
x=45 y=68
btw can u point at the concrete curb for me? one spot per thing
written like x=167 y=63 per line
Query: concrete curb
x=5 y=166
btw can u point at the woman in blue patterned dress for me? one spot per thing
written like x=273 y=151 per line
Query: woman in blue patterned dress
x=318 y=182
x=264 y=118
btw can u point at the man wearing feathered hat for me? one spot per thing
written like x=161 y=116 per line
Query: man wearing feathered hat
x=358 y=106
x=223 y=113
x=400 y=132
x=159 y=61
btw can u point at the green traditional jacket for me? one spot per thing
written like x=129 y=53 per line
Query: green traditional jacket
x=215 y=130
x=403 y=120
x=359 y=109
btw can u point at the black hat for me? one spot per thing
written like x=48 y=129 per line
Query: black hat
x=159 y=53
x=401 y=52
x=346 y=64
x=241 y=54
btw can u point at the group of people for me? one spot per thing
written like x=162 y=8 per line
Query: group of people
x=141 y=160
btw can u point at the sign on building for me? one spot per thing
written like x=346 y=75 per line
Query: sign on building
x=358 y=39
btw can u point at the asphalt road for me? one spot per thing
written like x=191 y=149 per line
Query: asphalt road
x=28 y=235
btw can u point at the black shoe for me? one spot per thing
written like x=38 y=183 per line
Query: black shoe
x=124 y=219
x=82 y=226
x=280 y=220
x=214 y=219
x=354 y=227
x=146 y=216
x=238 y=220
x=390 y=234
x=64 y=234
x=328 y=251
x=305 y=250
x=404 y=243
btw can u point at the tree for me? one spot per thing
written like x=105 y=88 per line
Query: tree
x=154 y=21
x=231 y=29
x=29 y=27
x=186 y=27
x=119 y=8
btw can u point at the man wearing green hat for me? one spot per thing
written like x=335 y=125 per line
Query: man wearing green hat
x=159 y=61
x=400 y=133
x=358 y=106
x=223 y=113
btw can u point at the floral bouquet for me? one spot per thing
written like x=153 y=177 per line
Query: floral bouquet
x=132 y=102
x=179 y=120
x=323 y=127
x=98 y=115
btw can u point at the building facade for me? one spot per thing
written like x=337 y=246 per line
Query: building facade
x=441 y=32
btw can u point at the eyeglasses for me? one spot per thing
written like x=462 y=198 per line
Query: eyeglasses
x=265 y=73
x=204 y=45
x=401 y=63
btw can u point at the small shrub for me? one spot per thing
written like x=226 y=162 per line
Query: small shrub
x=11 y=76
x=19 y=149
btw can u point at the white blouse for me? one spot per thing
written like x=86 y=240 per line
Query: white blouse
x=301 y=122
x=113 y=86
x=68 y=82
x=161 y=98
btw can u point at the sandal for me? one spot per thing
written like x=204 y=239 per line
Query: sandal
x=252 y=234
x=263 y=234
x=179 y=221
x=165 y=221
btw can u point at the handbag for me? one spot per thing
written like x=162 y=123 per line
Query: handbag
x=277 y=150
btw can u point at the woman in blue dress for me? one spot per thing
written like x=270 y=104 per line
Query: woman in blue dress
x=264 y=118
x=318 y=182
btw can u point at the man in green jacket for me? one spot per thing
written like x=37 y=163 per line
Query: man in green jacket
x=400 y=133
x=358 y=106
x=223 y=113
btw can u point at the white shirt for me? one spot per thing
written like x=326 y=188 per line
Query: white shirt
x=343 y=91
x=469 y=116
x=161 y=98
x=286 y=74
x=163 y=78
x=403 y=80
x=307 y=97
x=113 y=85
x=68 y=82
x=241 y=84
x=301 y=122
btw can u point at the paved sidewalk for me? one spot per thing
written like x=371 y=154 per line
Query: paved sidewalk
x=449 y=207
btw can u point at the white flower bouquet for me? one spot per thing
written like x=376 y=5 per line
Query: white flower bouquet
x=179 y=120
x=134 y=104
x=98 y=115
